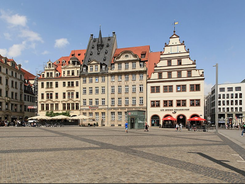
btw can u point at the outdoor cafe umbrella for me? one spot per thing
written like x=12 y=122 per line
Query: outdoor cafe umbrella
x=169 y=118
x=59 y=117
x=196 y=119
x=40 y=117
x=80 y=117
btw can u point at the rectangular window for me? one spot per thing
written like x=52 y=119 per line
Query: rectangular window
x=155 y=89
x=96 y=68
x=64 y=95
x=119 y=101
x=119 y=116
x=133 y=100
x=230 y=89
x=167 y=103
x=119 y=78
x=77 y=94
x=96 y=101
x=160 y=75
x=126 y=66
x=96 y=90
x=56 y=84
x=127 y=77
x=221 y=89
x=119 y=66
x=112 y=78
x=112 y=66
x=133 y=77
x=141 y=89
x=167 y=89
x=126 y=89
x=112 y=116
x=90 y=101
x=195 y=102
x=194 y=87
x=90 y=79
x=133 y=88
x=103 y=90
x=84 y=90
x=84 y=80
x=90 y=90
x=91 y=68
x=189 y=74
x=103 y=79
x=169 y=63
x=103 y=101
x=169 y=75
x=126 y=101
x=119 y=89
x=155 y=103
x=56 y=96
x=64 y=84
x=84 y=102
x=179 y=62
x=96 y=79
x=64 y=106
x=141 y=76
x=238 y=88
x=133 y=65
x=112 y=89
x=181 y=88
x=112 y=101
x=179 y=74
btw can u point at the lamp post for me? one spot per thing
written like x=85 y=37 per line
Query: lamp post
x=216 y=98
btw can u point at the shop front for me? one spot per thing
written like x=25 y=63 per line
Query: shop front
x=136 y=119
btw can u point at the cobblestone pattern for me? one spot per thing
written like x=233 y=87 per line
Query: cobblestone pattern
x=109 y=155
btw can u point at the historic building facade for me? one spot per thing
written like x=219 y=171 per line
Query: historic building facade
x=101 y=82
x=175 y=87
x=11 y=90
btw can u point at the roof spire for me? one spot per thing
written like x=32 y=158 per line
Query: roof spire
x=100 y=42
x=100 y=37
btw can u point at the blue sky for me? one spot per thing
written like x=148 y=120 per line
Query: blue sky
x=33 y=32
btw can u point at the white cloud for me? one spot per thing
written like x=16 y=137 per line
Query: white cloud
x=14 y=20
x=207 y=88
x=60 y=43
x=7 y=36
x=30 y=35
x=3 y=52
x=45 y=52
x=16 y=50
x=26 y=61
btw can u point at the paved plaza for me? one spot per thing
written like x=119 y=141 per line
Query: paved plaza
x=73 y=154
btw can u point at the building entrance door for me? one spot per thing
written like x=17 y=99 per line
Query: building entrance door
x=132 y=123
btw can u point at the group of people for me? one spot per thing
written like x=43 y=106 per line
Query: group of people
x=178 y=127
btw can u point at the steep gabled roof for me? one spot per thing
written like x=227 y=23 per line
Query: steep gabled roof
x=28 y=75
x=154 y=58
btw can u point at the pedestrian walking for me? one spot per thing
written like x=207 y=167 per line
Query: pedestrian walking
x=243 y=130
x=126 y=127
x=177 y=126
x=180 y=126
x=146 y=127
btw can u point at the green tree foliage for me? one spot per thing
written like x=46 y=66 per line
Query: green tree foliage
x=52 y=114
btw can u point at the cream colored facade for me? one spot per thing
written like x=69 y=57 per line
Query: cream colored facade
x=11 y=90
x=59 y=92
x=127 y=87
x=176 y=87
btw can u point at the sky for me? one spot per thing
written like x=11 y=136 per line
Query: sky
x=32 y=32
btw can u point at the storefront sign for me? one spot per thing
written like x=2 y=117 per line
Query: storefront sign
x=32 y=107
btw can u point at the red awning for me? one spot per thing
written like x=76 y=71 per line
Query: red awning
x=169 y=118
x=196 y=119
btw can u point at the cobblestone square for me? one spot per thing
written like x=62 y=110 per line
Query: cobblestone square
x=74 y=154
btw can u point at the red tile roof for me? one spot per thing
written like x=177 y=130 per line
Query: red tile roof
x=79 y=54
x=28 y=75
x=154 y=58
x=136 y=50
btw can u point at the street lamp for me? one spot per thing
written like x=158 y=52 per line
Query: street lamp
x=216 y=98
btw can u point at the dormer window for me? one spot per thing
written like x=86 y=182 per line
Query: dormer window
x=49 y=65
x=103 y=67
x=84 y=69
x=43 y=75
x=73 y=55
x=57 y=62
x=141 y=64
x=79 y=54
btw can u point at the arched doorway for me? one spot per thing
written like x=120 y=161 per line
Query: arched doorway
x=168 y=121
x=197 y=123
x=155 y=120
x=181 y=119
